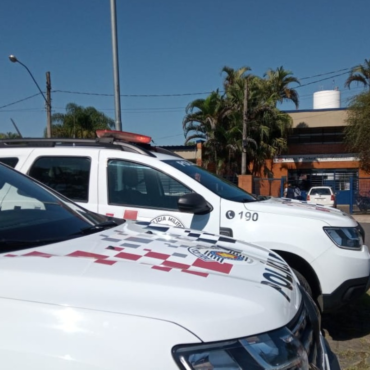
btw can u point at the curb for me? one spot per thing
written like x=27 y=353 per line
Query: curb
x=362 y=218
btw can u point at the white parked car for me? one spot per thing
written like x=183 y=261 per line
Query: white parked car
x=122 y=175
x=81 y=291
x=322 y=195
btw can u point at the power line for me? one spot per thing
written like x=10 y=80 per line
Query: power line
x=207 y=92
x=24 y=110
x=19 y=101
x=323 y=79
x=327 y=73
x=134 y=95
x=181 y=94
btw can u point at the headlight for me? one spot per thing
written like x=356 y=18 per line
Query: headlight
x=276 y=349
x=345 y=237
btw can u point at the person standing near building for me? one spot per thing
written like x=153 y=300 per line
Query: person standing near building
x=289 y=192
x=297 y=193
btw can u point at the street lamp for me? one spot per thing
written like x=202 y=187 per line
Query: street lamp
x=13 y=59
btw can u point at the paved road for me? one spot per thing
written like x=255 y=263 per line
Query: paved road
x=348 y=330
x=364 y=220
x=366 y=227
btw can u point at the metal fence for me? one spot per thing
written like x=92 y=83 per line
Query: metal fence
x=360 y=195
x=351 y=192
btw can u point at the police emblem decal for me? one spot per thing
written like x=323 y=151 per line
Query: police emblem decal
x=218 y=255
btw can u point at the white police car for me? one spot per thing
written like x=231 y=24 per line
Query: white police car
x=121 y=175
x=79 y=291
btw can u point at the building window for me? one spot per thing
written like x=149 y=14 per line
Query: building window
x=316 y=135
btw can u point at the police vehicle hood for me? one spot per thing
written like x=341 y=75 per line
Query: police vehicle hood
x=213 y=286
x=296 y=208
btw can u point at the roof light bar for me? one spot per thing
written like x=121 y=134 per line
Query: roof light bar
x=126 y=136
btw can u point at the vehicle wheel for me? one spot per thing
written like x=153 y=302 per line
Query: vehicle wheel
x=302 y=280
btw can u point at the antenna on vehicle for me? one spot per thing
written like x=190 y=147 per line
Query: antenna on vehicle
x=19 y=133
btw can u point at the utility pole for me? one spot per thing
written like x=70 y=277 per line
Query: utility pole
x=48 y=105
x=117 y=97
x=245 y=122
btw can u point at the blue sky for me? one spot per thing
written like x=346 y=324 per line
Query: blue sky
x=169 y=47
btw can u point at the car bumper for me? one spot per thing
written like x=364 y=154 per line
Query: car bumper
x=344 y=276
x=320 y=355
x=346 y=293
x=332 y=361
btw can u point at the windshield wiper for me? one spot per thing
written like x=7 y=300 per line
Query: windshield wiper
x=98 y=227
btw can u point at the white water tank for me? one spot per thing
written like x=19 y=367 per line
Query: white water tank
x=326 y=99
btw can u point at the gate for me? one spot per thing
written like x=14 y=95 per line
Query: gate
x=338 y=179
x=350 y=190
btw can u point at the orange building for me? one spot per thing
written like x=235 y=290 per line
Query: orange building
x=316 y=154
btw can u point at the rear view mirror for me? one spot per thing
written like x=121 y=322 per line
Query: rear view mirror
x=194 y=203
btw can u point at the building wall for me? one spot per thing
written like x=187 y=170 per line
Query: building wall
x=317 y=149
x=319 y=117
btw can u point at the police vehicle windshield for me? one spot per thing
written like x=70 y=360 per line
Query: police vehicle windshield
x=222 y=187
x=31 y=215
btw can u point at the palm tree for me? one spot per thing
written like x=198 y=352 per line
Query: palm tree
x=79 y=122
x=267 y=127
x=278 y=85
x=234 y=77
x=360 y=74
x=204 y=120
x=218 y=119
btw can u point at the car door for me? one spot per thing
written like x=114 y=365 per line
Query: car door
x=137 y=191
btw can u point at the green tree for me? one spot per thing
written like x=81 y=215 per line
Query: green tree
x=218 y=119
x=9 y=135
x=79 y=122
x=277 y=85
x=357 y=131
x=204 y=121
x=360 y=74
x=267 y=126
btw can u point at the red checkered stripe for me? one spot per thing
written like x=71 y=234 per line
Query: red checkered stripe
x=163 y=261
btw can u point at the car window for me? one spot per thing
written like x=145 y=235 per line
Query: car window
x=321 y=191
x=32 y=216
x=11 y=162
x=67 y=175
x=217 y=185
x=138 y=185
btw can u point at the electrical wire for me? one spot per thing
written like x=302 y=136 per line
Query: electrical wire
x=19 y=101
x=347 y=70
x=135 y=95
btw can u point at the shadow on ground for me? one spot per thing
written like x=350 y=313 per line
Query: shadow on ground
x=350 y=322
x=348 y=333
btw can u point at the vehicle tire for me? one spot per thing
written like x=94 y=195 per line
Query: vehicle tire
x=302 y=280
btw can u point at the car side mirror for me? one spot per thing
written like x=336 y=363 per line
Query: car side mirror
x=194 y=203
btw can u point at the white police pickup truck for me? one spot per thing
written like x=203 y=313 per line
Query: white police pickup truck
x=122 y=175
x=83 y=291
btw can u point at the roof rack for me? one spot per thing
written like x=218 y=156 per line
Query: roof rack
x=105 y=142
